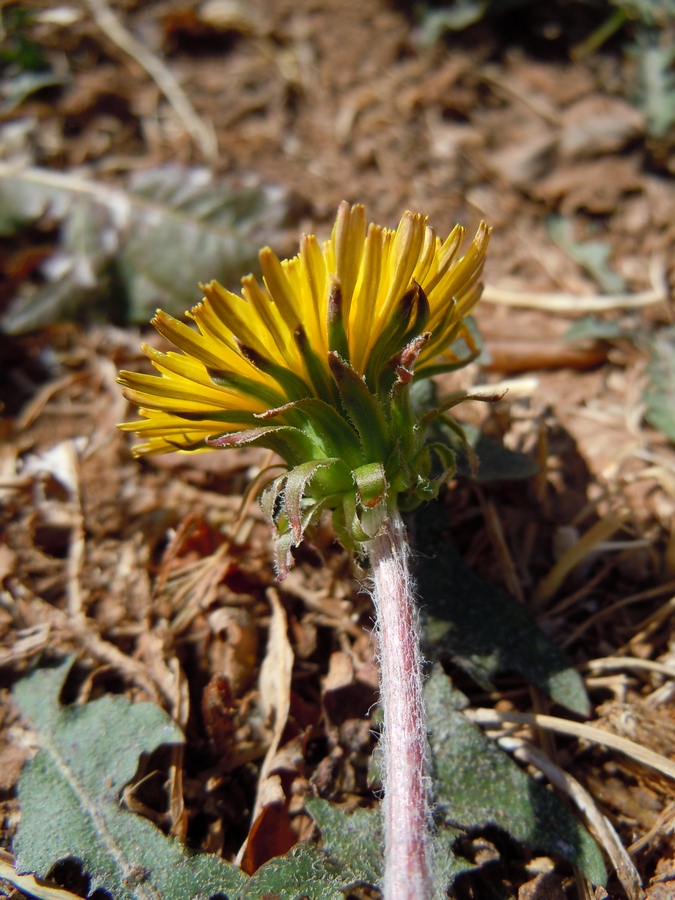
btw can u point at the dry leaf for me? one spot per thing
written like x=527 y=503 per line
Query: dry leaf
x=275 y=698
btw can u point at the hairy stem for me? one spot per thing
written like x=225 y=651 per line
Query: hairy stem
x=407 y=820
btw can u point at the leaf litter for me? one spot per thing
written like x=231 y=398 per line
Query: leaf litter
x=152 y=574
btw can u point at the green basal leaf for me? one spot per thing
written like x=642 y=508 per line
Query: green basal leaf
x=480 y=626
x=592 y=328
x=495 y=462
x=354 y=842
x=70 y=796
x=24 y=84
x=123 y=253
x=592 y=255
x=305 y=873
x=659 y=396
x=477 y=786
x=654 y=54
x=477 y=456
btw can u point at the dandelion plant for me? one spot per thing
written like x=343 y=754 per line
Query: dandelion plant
x=316 y=364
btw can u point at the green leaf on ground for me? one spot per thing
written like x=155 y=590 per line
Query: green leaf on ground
x=435 y=22
x=480 y=626
x=648 y=12
x=477 y=785
x=659 y=396
x=354 y=842
x=654 y=54
x=304 y=873
x=591 y=255
x=594 y=329
x=123 y=253
x=495 y=462
x=70 y=798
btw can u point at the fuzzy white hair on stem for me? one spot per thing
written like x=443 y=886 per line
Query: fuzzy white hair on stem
x=406 y=762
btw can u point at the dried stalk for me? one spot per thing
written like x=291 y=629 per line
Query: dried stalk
x=576 y=303
x=201 y=131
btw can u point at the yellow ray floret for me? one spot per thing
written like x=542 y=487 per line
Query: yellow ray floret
x=274 y=347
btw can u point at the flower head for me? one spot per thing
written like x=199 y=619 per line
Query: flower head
x=316 y=364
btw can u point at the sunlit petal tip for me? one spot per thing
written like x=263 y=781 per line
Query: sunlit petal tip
x=211 y=289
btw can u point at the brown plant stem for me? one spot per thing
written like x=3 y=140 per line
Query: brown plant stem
x=405 y=778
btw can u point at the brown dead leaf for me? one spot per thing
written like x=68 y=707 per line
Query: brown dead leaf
x=271 y=834
x=275 y=699
x=346 y=693
x=662 y=885
x=8 y=562
x=661 y=890
x=528 y=159
x=233 y=650
x=599 y=124
x=525 y=355
x=218 y=714
x=595 y=186
x=275 y=672
x=340 y=672
x=546 y=886
x=13 y=750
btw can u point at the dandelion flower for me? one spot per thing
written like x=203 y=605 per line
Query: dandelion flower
x=315 y=364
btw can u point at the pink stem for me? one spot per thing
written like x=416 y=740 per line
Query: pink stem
x=406 y=782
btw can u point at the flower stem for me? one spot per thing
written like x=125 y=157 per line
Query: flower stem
x=406 y=782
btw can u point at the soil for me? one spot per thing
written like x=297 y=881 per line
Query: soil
x=158 y=574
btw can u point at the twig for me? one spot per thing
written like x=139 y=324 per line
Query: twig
x=516 y=388
x=490 y=717
x=34 y=407
x=29 y=642
x=612 y=663
x=575 y=303
x=656 y=618
x=495 y=78
x=202 y=133
x=652 y=622
x=588 y=543
x=665 y=824
x=77 y=547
